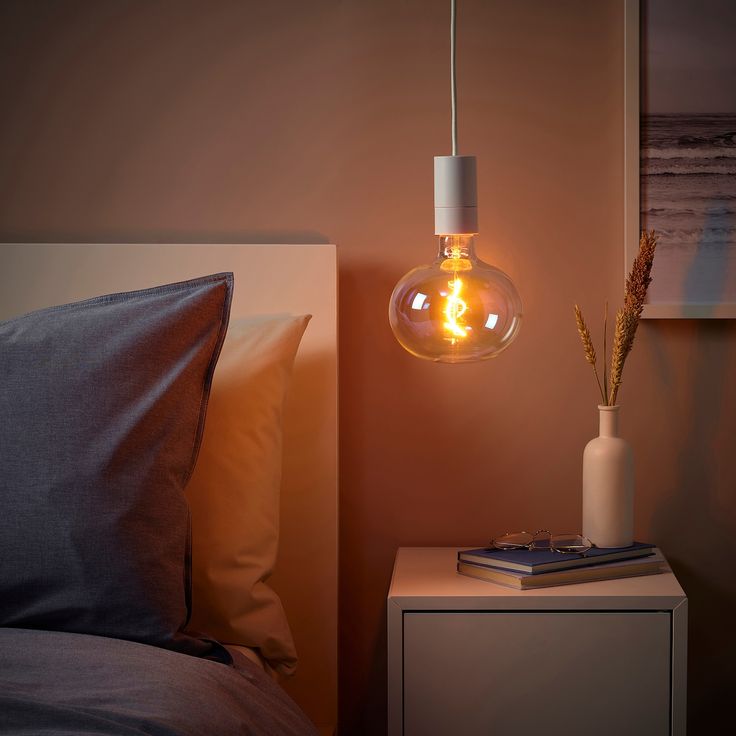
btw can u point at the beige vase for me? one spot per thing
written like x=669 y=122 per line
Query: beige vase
x=608 y=485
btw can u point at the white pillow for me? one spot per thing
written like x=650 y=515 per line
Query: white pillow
x=234 y=490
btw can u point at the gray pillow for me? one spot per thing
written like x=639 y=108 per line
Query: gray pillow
x=102 y=406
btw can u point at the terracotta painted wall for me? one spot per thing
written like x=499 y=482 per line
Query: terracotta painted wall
x=299 y=121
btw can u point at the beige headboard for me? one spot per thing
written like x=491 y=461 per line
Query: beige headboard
x=268 y=279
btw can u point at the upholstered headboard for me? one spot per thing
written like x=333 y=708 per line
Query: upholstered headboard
x=269 y=279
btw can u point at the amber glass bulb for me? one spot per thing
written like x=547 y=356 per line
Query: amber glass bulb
x=456 y=310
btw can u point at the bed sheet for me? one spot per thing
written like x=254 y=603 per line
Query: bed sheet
x=58 y=684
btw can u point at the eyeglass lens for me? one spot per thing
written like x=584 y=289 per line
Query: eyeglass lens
x=570 y=543
x=543 y=539
x=517 y=540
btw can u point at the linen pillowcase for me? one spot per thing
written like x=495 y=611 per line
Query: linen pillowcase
x=234 y=491
x=102 y=409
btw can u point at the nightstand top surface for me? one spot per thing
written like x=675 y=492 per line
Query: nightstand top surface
x=426 y=578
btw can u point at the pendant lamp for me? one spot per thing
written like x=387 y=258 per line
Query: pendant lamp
x=457 y=309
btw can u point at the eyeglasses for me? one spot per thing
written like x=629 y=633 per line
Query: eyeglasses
x=544 y=539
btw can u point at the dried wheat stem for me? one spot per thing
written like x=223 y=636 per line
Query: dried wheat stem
x=605 y=347
x=627 y=318
x=622 y=339
x=590 y=355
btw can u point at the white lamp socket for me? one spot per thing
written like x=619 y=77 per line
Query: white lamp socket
x=455 y=195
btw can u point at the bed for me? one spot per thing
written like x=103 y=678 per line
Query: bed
x=247 y=681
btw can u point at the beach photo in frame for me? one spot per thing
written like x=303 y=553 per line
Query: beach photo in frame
x=680 y=152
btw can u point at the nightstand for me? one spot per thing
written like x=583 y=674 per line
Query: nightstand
x=469 y=657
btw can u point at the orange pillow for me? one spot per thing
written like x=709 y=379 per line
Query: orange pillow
x=234 y=490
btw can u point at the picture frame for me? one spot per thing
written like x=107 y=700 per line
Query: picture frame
x=675 y=181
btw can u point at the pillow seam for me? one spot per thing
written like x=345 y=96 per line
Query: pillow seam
x=131 y=295
x=228 y=282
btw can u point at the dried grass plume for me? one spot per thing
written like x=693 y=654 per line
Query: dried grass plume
x=627 y=320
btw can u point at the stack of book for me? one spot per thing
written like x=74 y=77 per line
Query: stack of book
x=526 y=569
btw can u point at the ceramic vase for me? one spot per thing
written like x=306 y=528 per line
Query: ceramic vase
x=608 y=485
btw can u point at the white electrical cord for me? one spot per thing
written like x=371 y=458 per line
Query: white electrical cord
x=453 y=80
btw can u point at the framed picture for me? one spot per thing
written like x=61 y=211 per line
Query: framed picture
x=680 y=152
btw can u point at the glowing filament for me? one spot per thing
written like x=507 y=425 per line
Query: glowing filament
x=454 y=310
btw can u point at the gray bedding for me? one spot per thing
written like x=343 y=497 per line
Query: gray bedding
x=54 y=684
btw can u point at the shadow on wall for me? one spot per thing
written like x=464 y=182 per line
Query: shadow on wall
x=701 y=552
x=700 y=497
x=374 y=370
x=712 y=264
x=154 y=235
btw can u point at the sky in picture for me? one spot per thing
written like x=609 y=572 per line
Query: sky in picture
x=690 y=46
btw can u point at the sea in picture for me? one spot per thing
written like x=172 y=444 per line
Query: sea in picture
x=688 y=195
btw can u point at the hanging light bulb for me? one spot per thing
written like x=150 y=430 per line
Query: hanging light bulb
x=458 y=309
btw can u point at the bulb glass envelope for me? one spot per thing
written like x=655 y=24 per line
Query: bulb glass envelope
x=457 y=309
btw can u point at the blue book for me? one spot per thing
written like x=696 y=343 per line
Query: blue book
x=649 y=565
x=537 y=561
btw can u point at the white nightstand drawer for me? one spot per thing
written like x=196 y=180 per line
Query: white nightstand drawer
x=525 y=672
